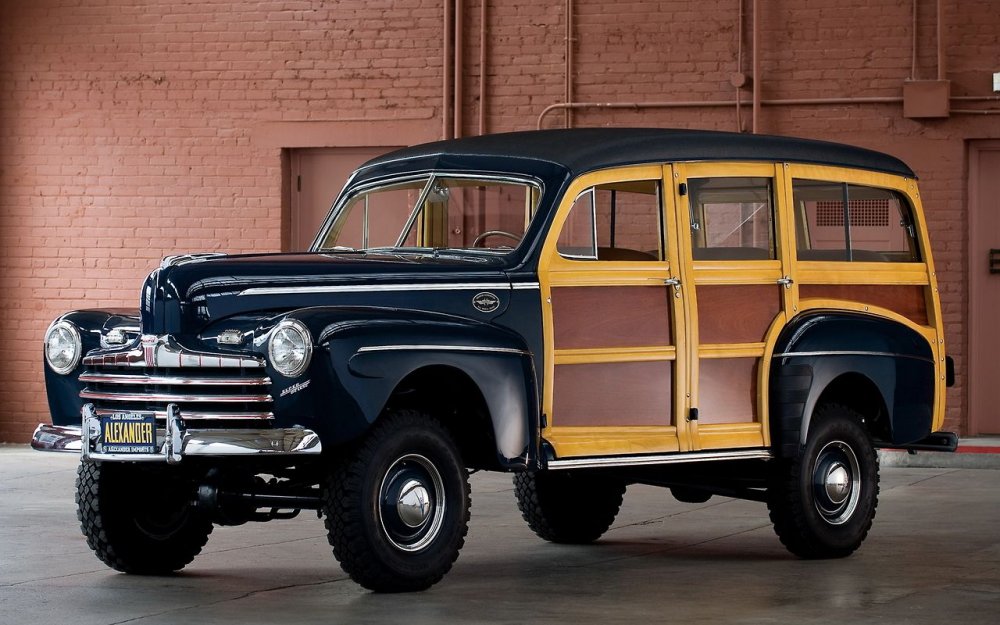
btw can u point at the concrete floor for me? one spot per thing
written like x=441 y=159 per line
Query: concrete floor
x=933 y=556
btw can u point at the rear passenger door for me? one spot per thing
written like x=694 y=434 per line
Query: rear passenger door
x=735 y=276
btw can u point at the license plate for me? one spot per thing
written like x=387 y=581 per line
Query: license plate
x=129 y=433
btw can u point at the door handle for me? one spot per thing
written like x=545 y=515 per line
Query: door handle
x=786 y=282
x=676 y=283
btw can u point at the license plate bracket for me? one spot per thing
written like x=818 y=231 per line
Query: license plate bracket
x=128 y=432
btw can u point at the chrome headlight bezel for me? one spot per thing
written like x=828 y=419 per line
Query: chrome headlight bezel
x=286 y=329
x=76 y=342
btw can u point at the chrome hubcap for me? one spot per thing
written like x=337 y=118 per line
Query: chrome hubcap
x=414 y=504
x=411 y=503
x=836 y=479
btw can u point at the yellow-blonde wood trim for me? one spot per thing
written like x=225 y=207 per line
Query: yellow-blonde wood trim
x=815 y=303
x=732 y=435
x=827 y=272
x=752 y=272
x=623 y=274
x=571 y=442
x=614 y=354
x=731 y=350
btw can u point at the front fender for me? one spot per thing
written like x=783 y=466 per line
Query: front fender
x=369 y=352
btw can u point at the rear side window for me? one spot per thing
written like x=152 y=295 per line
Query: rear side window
x=849 y=222
x=732 y=218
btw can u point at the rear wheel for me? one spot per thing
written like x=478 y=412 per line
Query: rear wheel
x=397 y=511
x=139 y=518
x=823 y=503
x=567 y=507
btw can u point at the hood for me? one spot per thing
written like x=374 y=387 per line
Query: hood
x=190 y=292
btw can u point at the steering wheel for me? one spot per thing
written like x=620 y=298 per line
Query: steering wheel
x=495 y=233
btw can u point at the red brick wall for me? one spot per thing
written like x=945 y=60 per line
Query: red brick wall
x=130 y=130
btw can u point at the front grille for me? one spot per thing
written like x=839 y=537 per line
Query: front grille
x=206 y=387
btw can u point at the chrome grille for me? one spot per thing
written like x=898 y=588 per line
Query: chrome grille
x=158 y=372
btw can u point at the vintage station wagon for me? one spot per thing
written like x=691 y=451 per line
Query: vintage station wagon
x=713 y=313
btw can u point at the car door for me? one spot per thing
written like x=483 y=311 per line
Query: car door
x=735 y=272
x=614 y=324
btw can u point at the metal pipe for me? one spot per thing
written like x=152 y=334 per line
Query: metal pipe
x=941 y=57
x=913 y=44
x=708 y=104
x=446 y=71
x=482 y=67
x=569 y=61
x=756 y=70
x=459 y=67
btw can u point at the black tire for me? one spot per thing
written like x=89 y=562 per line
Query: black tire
x=568 y=507
x=397 y=510
x=823 y=503
x=139 y=518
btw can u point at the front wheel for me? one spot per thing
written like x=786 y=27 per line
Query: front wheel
x=823 y=503
x=397 y=511
x=139 y=518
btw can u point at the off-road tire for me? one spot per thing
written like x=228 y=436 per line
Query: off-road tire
x=139 y=519
x=811 y=522
x=369 y=533
x=568 y=507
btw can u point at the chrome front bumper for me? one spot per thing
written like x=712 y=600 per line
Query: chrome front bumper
x=177 y=441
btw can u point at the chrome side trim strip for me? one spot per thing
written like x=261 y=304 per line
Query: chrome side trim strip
x=168 y=397
x=852 y=353
x=161 y=380
x=374 y=288
x=442 y=348
x=674 y=458
x=517 y=286
x=164 y=351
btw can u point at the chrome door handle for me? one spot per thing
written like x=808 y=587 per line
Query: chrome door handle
x=786 y=282
x=676 y=283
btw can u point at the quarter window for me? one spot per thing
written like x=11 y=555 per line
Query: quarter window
x=848 y=222
x=620 y=221
x=732 y=218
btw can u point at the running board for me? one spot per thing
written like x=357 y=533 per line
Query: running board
x=674 y=458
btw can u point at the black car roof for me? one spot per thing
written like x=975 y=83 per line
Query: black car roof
x=580 y=150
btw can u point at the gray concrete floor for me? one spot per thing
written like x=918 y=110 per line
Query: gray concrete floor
x=933 y=556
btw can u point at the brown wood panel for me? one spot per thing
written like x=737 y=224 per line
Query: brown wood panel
x=727 y=390
x=612 y=316
x=905 y=300
x=619 y=394
x=736 y=313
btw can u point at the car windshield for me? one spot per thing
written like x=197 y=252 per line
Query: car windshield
x=436 y=211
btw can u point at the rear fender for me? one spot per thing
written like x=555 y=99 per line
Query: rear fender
x=851 y=354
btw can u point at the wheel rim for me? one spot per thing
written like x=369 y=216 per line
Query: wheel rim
x=411 y=503
x=836 y=482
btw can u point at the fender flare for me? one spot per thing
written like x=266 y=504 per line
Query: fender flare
x=818 y=348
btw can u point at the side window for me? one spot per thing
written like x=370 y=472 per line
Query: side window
x=615 y=222
x=732 y=218
x=848 y=222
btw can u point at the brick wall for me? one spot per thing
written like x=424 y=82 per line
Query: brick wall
x=130 y=130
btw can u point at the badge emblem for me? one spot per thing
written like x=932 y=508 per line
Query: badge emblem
x=485 y=302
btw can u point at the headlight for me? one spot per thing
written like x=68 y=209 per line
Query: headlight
x=62 y=347
x=290 y=348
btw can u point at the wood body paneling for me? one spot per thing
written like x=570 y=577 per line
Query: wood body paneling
x=906 y=300
x=727 y=390
x=613 y=394
x=736 y=313
x=609 y=317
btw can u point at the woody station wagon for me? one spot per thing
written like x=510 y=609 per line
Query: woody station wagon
x=714 y=313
